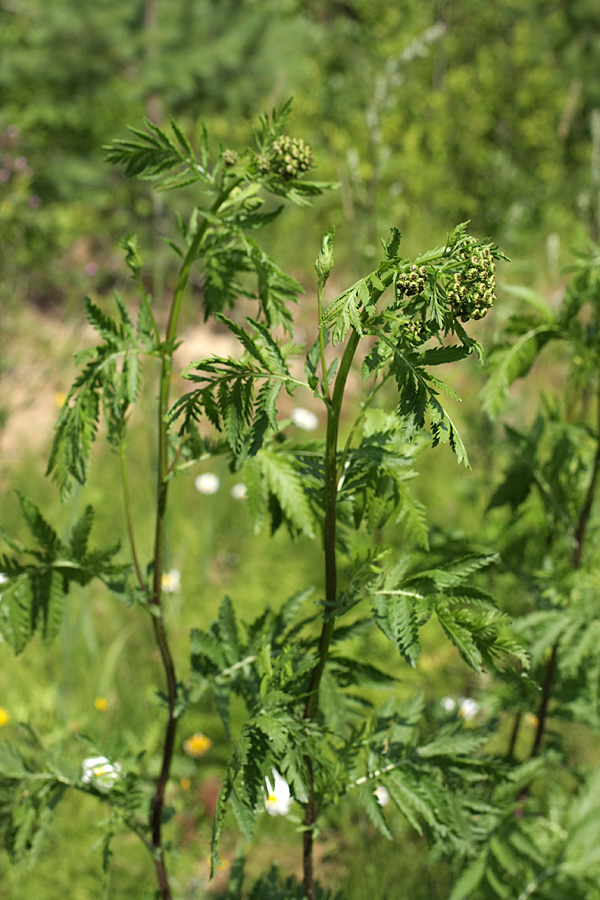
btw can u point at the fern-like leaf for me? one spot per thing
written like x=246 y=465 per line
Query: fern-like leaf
x=395 y=615
x=285 y=484
x=373 y=810
x=39 y=579
x=509 y=363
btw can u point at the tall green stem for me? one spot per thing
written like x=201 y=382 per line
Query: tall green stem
x=329 y=532
x=333 y=473
x=334 y=406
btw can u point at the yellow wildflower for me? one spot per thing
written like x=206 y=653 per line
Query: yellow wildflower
x=101 y=704
x=185 y=784
x=4 y=717
x=197 y=745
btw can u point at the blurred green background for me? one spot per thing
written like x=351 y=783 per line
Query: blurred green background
x=426 y=113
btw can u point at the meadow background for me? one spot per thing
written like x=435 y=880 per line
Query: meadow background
x=426 y=114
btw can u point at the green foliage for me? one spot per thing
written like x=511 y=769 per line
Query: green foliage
x=269 y=672
x=273 y=887
x=384 y=125
x=545 y=516
x=305 y=709
x=376 y=471
x=28 y=797
x=426 y=305
x=311 y=705
x=109 y=381
x=522 y=84
x=239 y=397
x=575 y=322
x=156 y=157
x=37 y=579
x=539 y=855
x=33 y=781
x=549 y=488
x=404 y=600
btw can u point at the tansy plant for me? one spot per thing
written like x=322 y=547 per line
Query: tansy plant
x=312 y=736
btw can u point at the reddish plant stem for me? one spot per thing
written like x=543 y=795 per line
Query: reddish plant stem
x=307 y=837
x=160 y=633
x=514 y=735
x=542 y=713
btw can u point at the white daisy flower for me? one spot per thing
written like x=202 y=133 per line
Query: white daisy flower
x=171 y=581
x=382 y=795
x=468 y=708
x=207 y=483
x=279 y=799
x=239 y=491
x=448 y=704
x=304 y=419
x=100 y=772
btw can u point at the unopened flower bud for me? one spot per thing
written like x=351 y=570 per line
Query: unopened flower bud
x=263 y=163
x=229 y=158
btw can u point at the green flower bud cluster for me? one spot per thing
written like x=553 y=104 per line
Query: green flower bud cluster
x=289 y=156
x=229 y=158
x=416 y=332
x=264 y=164
x=411 y=283
x=473 y=290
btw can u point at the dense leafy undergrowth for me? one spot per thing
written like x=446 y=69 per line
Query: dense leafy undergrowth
x=231 y=620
